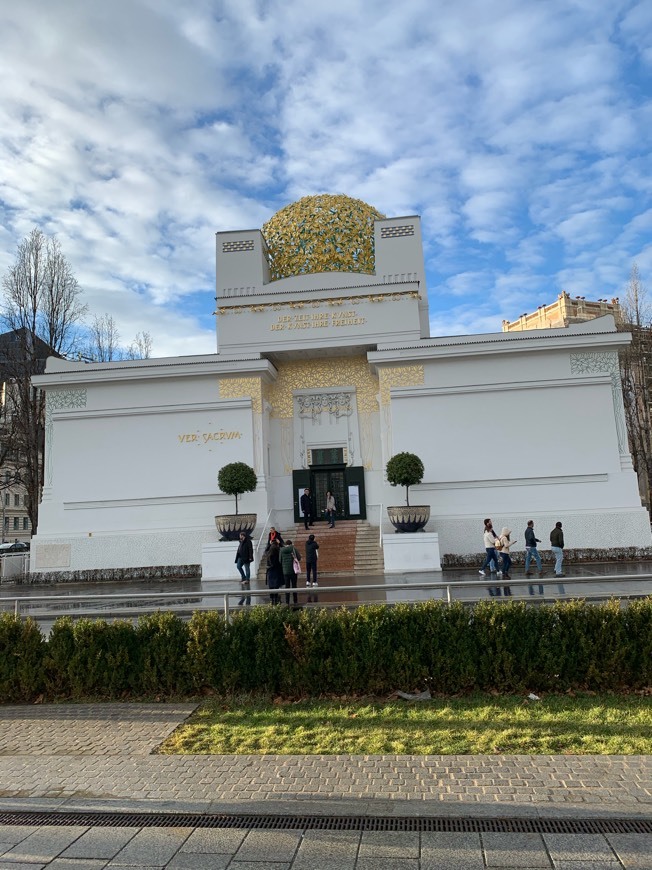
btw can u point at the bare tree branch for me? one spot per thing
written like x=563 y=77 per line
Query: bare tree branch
x=41 y=309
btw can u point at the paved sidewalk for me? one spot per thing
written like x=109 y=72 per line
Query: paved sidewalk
x=98 y=757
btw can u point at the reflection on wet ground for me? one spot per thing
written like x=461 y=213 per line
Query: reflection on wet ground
x=183 y=596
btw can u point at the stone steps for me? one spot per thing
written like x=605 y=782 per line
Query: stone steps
x=349 y=548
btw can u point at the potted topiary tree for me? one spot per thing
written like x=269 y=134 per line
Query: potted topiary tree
x=235 y=479
x=406 y=469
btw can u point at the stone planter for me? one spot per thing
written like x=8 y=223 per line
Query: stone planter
x=230 y=525
x=410 y=518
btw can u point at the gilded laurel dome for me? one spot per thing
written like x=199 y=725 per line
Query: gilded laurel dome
x=323 y=233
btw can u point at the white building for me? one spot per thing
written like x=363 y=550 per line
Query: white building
x=324 y=369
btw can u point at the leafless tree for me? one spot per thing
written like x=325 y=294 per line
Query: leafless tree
x=636 y=371
x=42 y=310
x=104 y=343
x=141 y=346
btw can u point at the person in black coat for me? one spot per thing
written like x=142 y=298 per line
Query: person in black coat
x=274 y=536
x=306 y=508
x=243 y=558
x=274 y=571
x=311 y=560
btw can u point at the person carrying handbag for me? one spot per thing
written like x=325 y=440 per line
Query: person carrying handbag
x=290 y=562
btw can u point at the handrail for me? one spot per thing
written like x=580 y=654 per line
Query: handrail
x=228 y=594
x=262 y=534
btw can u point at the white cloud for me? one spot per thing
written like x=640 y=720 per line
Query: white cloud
x=135 y=130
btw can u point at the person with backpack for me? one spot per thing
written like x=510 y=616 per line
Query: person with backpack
x=290 y=561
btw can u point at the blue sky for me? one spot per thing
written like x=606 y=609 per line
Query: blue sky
x=519 y=131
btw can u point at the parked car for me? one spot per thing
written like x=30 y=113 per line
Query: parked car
x=14 y=547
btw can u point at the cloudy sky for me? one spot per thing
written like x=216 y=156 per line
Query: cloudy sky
x=518 y=129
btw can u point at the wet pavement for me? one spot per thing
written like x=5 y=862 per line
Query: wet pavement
x=82 y=785
x=594 y=582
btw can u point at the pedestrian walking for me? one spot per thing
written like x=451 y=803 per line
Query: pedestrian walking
x=504 y=543
x=331 y=509
x=489 y=540
x=557 y=547
x=312 y=554
x=274 y=571
x=243 y=558
x=306 y=508
x=531 y=552
x=290 y=558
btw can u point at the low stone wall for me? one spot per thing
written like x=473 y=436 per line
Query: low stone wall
x=110 y=575
x=571 y=556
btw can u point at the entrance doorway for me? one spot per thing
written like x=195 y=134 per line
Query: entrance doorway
x=345 y=482
x=327 y=480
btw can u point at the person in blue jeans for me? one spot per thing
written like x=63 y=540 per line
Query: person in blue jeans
x=489 y=540
x=243 y=559
x=531 y=552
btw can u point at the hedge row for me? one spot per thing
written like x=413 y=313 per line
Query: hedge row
x=508 y=647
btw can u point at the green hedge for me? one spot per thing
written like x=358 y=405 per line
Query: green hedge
x=507 y=647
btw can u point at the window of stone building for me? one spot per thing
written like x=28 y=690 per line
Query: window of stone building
x=25 y=524
x=16 y=501
x=6 y=499
x=16 y=521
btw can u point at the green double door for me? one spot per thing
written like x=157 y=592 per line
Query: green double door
x=346 y=484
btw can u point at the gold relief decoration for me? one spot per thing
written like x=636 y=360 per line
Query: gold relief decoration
x=398 y=376
x=323 y=233
x=317 y=303
x=367 y=440
x=243 y=388
x=322 y=374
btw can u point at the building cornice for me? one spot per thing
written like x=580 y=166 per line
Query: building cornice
x=181 y=368
x=502 y=342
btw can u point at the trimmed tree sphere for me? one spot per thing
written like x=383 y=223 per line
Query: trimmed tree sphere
x=236 y=478
x=405 y=469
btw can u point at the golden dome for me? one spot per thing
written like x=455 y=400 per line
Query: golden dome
x=323 y=233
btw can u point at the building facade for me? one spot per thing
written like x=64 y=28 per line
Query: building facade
x=324 y=369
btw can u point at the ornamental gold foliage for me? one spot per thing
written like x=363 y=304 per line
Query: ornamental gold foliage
x=324 y=233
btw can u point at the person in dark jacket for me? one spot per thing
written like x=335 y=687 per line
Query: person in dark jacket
x=306 y=508
x=557 y=547
x=311 y=560
x=288 y=554
x=243 y=559
x=531 y=552
x=274 y=571
x=274 y=536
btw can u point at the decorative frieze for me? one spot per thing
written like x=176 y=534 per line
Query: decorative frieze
x=336 y=404
x=396 y=232
x=58 y=400
x=235 y=247
x=595 y=363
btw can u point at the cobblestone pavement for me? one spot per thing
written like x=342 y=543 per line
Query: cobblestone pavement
x=88 y=729
x=97 y=757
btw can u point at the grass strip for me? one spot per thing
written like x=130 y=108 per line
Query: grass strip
x=583 y=724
